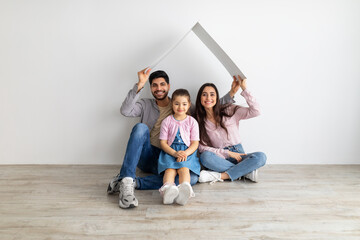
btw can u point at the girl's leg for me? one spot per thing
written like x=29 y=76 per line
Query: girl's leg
x=169 y=191
x=152 y=182
x=184 y=175
x=169 y=176
x=185 y=189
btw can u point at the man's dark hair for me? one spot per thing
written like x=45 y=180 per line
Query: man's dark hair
x=158 y=74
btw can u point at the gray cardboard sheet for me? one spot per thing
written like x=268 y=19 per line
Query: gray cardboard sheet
x=212 y=46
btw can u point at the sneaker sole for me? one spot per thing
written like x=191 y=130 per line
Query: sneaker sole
x=131 y=205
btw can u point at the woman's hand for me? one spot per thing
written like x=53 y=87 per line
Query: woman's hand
x=243 y=84
x=237 y=83
x=234 y=87
x=236 y=156
x=180 y=156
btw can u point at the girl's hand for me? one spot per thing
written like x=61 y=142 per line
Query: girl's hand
x=236 y=156
x=181 y=159
x=180 y=156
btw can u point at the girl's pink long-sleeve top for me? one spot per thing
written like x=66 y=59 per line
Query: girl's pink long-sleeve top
x=189 y=130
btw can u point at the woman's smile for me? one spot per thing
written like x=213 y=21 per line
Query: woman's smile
x=208 y=97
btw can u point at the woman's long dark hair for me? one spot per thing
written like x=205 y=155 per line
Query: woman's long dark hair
x=219 y=113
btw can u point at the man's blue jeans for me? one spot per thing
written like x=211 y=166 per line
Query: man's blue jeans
x=140 y=153
x=235 y=170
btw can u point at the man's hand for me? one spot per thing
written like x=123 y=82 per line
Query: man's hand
x=143 y=76
x=236 y=156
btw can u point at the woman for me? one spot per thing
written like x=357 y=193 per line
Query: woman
x=220 y=143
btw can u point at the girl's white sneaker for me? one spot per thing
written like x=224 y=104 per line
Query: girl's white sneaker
x=185 y=192
x=169 y=192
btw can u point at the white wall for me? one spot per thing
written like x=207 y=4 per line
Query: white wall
x=66 y=66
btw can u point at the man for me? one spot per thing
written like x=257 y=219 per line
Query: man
x=143 y=147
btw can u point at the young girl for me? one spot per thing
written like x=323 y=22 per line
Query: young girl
x=179 y=140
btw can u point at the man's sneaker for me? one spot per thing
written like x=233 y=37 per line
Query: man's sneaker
x=253 y=176
x=185 y=192
x=114 y=185
x=169 y=192
x=127 y=198
x=210 y=176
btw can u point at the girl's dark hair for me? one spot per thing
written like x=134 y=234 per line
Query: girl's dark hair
x=184 y=93
x=219 y=113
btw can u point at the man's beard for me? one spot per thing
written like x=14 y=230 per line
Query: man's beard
x=162 y=98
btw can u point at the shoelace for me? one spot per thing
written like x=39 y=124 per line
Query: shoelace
x=217 y=179
x=127 y=189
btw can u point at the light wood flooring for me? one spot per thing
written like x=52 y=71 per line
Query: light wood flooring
x=289 y=202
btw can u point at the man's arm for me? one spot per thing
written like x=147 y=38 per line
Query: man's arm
x=143 y=76
x=130 y=106
x=229 y=97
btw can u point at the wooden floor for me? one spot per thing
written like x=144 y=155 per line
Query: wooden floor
x=289 y=202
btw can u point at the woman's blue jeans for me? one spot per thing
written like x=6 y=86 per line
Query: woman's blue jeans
x=235 y=170
x=140 y=153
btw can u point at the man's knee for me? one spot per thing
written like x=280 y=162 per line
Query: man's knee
x=140 y=129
